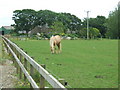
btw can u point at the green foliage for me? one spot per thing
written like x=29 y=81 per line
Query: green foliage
x=112 y=24
x=98 y=23
x=45 y=16
x=83 y=32
x=27 y=19
x=24 y=19
x=93 y=32
x=71 y=22
x=58 y=27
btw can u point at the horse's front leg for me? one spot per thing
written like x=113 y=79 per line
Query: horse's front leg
x=56 y=50
x=52 y=50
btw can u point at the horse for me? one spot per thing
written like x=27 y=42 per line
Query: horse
x=55 y=41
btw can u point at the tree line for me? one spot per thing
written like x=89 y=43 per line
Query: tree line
x=28 y=19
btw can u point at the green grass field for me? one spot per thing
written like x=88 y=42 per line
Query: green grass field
x=82 y=63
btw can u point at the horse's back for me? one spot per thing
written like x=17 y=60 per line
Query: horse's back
x=58 y=38
x=55 y=39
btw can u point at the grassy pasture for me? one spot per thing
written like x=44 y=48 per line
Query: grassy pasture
x=82 y=63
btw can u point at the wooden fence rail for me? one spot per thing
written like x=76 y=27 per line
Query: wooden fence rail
x=18 y=55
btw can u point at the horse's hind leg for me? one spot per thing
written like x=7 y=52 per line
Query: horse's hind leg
x=59 y=47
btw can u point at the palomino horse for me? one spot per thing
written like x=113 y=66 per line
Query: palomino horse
x=55 y=41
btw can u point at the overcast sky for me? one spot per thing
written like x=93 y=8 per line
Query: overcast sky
x=76 y=7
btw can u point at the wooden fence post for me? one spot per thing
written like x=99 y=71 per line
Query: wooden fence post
x=11 y=48
x=15 y=62
x=25 y=65
x=31 y=72
x=42 y=80
x=17 y=54
x=20 y=68
x=12 y=55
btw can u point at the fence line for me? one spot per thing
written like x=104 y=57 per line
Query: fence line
x=17 y=52
x=34 y=85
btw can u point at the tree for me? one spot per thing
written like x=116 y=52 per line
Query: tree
x=27 y=19
x=45 y=16
x=24 y=19
x=71 y=22
x=112 y=24
x=119 y=19
x=83 y=32
x=58 y=27
x=98 y=22
x=93 y=32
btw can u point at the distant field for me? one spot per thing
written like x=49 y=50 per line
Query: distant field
x=82 y=63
